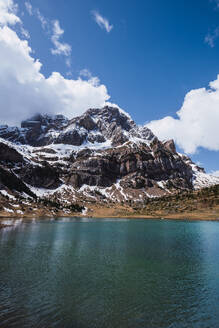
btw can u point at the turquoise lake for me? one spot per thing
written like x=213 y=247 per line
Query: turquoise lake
x=109 y=273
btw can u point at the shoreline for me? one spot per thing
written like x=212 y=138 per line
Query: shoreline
x=182 y=217
x=201 y=205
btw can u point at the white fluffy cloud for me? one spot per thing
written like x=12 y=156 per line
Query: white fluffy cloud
x=24 y=90
x=54 y=30
x=8 y=13
x=102 y=21
x=60 y=48
x=197 y=122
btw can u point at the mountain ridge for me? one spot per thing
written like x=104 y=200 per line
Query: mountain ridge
x=101 y=156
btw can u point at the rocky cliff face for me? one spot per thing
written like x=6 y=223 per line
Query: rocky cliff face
x=100 y=156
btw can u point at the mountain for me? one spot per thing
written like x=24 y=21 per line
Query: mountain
x=101 y=156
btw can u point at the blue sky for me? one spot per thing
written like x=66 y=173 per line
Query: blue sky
x=153 y=55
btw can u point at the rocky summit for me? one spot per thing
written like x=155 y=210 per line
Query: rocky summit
x=101 y=156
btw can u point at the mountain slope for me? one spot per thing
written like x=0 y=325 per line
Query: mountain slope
x=100 y=156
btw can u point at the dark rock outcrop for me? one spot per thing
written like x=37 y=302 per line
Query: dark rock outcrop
x=10 y=181
x=72 y=137
x=9 y=154
x=41 y=177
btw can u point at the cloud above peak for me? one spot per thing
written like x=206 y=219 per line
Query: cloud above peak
x=197 y=122
x=102 y=21
x=24 y=90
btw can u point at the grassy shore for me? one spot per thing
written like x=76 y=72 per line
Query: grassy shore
x=190 y=205
x=121 y=212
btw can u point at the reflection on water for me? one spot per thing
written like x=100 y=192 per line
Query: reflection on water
x=109 y=273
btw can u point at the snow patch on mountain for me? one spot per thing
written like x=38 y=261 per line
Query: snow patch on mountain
x=101 y=155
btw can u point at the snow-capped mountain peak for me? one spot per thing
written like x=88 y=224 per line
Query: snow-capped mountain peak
x=100 y=155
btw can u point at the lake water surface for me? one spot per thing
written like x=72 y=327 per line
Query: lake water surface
x=86 y=273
